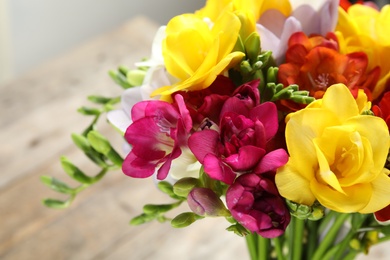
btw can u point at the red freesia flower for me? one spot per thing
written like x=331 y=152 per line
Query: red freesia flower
x=383 y=215
x=241 y=143
x=207 y=103
x=314 y=63
x=255 y=203
x=383 y=108
x=345 y=4
x=158 y=131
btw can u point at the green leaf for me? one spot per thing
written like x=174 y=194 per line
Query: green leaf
x=185 y=219
x=56 y=204
x=75 y=172
x=57 y=185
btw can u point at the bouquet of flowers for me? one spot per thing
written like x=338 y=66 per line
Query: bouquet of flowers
x=272 y=115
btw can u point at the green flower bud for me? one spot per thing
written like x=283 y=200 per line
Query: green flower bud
x=183 y=186
x=136 y=77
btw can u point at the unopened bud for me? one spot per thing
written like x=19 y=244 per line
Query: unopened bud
x=205 y=202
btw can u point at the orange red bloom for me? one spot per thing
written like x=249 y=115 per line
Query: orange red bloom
x=315 y=63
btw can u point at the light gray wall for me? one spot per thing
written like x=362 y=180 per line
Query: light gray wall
x=42 y=29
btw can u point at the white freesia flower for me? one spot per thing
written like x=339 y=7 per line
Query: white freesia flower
x=155 y=77
x=319 y=17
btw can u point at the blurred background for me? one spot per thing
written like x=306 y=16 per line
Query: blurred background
x=34 y=31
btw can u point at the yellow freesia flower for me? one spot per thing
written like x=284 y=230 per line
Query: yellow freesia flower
x=365 y=29
x=213 y=8
x=196 y=54
x=337 y=155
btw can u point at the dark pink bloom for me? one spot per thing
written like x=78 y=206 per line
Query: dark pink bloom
x=158 y=131
x=207 y=103
x=245 y=130
x=255 y=203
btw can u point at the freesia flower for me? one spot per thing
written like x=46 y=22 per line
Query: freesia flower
x=155 y=77
x=157 y=135
x=383 y=215
x=255 y=203
x=337 y=155
x=245 y=129
x=345 y=4
x=363 y=28
x=196 y=54
x=383 y=108
x=310 y=17
x=314 y=63
x=207 y=103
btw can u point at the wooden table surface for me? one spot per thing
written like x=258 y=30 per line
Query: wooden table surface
x=38 y=113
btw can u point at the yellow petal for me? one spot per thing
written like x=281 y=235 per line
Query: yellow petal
x=339 y=100
x=346 y=24
x=354 y=198
x=283 y=6
x=324 y=173
x=303 y=126
x=380 y=197
x=377 y=133
x=293 y=186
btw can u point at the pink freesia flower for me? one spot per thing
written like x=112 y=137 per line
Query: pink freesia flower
x=255 y=203
x=158 y=132
x=245 y=129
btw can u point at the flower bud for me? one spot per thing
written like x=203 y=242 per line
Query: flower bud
x=205 y=202
x=183 y=186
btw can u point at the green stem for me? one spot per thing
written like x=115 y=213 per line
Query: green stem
x=263 y=247
x=359 y=220
x=325 y=221
x=330 y=236
x=298 y=239
x=351 y=255
x=278 y=248
x=312 y=240
x=330 y=253
x=290 y=237
x=383 y=239
x=251 y=241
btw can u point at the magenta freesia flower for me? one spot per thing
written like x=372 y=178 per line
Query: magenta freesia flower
x=158 y=132
x=240 y=145
x=255 y=203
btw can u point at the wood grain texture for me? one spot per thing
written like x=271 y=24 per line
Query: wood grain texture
x=37 y=115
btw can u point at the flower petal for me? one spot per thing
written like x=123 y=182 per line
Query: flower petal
x=293 y=186
x=272 y=161
x=380 y=193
